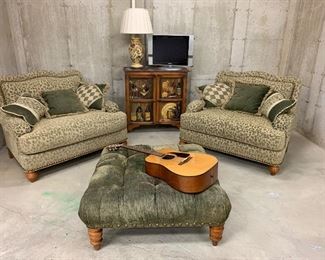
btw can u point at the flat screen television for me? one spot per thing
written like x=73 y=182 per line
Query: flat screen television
x=170 y=50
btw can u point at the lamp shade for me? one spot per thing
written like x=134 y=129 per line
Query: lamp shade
x=136 y=21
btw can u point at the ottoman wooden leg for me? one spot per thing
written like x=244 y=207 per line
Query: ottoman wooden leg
x=216 y=234
x=95 y=237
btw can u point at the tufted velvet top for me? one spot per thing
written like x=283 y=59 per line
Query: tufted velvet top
x=121 y=194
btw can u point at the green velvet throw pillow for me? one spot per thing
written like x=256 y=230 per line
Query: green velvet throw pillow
x=28 y=108
x=63 y=102
x=247 y=97
x=275 y=105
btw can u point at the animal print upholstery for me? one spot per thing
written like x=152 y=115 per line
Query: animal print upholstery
x=247 y=136
x=61 y=131
x=195 y=106
x=111 y=106
x=239 y=149
x=55 y=156
x=284 y=122
x=288 y=86
x=36 y=82
x=241 y=127
x=18 y=125
x=56 y=140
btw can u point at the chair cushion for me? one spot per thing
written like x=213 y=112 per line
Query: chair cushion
x=121 y=194
x=61 y=131
x=236 y=126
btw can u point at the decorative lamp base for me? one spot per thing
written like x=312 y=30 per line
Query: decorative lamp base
x=136 y=50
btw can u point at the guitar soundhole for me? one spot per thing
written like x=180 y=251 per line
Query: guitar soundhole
x=181 y=155
x=168 y=156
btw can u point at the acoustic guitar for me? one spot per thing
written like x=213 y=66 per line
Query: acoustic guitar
x=185 y=172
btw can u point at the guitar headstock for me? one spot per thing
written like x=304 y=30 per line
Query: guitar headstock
x=114 y=147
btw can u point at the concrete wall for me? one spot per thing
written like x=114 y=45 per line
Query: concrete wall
x=7 y=54
x=267 y=35
x=306 y=60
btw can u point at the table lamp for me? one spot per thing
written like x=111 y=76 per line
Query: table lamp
x=136 y=21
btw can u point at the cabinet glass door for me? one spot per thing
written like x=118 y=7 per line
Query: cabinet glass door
x=140 y=88
x=169 y=111
x=141 y=112
x=170 y=88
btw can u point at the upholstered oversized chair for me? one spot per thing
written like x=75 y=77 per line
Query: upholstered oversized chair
x=249 y=136
x=54 y=140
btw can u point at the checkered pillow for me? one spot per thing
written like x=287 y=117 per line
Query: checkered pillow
x=89 y=94
x=217 y=94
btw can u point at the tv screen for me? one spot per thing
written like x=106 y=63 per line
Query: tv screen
x=170 y=50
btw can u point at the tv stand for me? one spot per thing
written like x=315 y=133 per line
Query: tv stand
x=155 y=95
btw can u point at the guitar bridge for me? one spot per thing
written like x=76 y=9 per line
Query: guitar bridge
x=185 y=160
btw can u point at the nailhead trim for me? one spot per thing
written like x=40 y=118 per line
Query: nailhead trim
x=71 y=158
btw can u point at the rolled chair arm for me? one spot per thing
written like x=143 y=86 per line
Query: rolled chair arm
x=111 y=106
x=15 y=124
x=195 y=106
x=284 y=122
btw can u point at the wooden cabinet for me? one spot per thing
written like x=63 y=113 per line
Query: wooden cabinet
x=155 y=95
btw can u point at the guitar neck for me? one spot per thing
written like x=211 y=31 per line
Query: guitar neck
x=142 y=150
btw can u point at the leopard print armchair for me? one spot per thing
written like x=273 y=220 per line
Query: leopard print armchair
x=55 y=140
x=244 y=135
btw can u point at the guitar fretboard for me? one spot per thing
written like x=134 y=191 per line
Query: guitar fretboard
x=137 y=149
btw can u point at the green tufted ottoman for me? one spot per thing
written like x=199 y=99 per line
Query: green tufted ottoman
x=121 y=195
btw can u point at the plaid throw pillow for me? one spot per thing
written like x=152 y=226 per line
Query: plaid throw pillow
x=217 y=95
x=89 y=94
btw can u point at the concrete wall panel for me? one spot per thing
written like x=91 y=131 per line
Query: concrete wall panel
x=241 y=16
x=262 y=54
x=119 y=42
x=213 y=30
x=88 y=32
x=7 y=54
x=179 y=15
x=266 y=21
x=44 y=31
x=306 y=61
x=265 y=26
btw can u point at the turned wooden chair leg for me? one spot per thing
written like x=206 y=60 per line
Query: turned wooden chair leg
x=10 y=154
x=95 y=237
x=274 y=169
x=216 y=234
x=31 y=176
